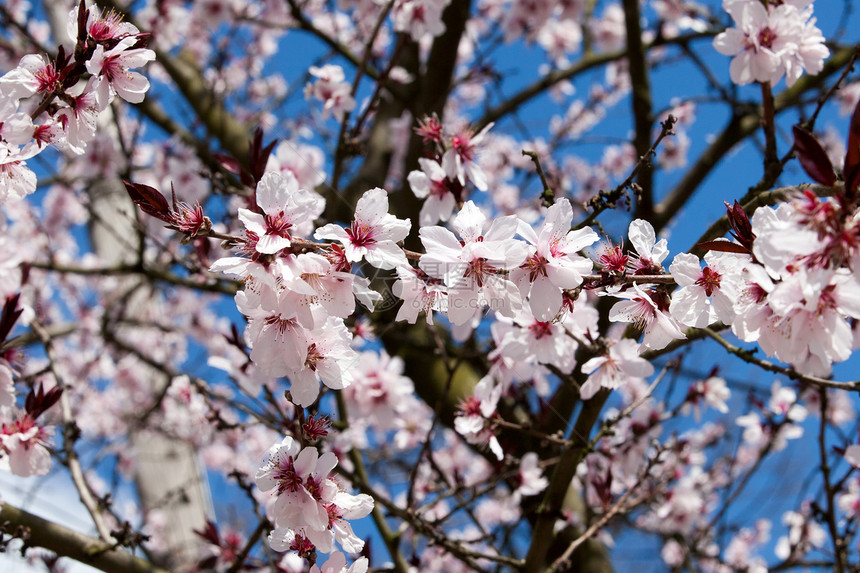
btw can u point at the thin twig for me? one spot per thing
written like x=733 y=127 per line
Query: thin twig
x=548 y=196
x=70 y=435
x=747 y=356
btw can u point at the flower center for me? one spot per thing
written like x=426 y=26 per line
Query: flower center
x=314 y=357
x=536 y=265
x=766 y=37
x=539 y=329
x=278 y=225
x=710 y=280
x=360 y=234
x=288 y=479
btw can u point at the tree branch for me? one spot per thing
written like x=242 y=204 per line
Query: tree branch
x=74 y=545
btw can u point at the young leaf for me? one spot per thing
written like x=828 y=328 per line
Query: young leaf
x=813 y=158
x=852 y=154
x=150 y=200
x=724 y=247
x=9 y=316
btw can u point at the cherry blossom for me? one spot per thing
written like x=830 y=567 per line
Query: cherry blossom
x=432 y=185
x=308 y=500
x=640 y=309
x=419 y=18
x=331 y=88
x=16 y=179
x=473 y=421
x=555 y=264
x=24 y=447
x=112 y=69
x=650 y=252
x=705 y=295
x=286 y=209
x=611 y=370
x=337 y=564
x=374 y=232
x=771 y=41
x=329 y=358
x=460 y=160
x=472 y=271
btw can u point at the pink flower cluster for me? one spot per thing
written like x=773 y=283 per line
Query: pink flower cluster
x=308 y=506
x=771 y=40
x=109 y=51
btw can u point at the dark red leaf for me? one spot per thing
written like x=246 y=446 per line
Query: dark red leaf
x=150 y=200
x=852 y=154
x=38 y=401
x=724 y=247
x=259 y=155
x=228 y=163
x=740 y=223
x=813 y=158
x=9 y=316
x=210 y=534
x=83 y=16
x=142 y=41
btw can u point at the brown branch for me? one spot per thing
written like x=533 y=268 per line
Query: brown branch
x=641 y=103
x=841 y=565
x=66 y=542
x=550 y=506
x=747 y=356
x=606 y=199
x=588 y=62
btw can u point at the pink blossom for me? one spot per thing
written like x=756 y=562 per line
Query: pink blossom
x=554 y=265
x=23 y=447
x=614 y=368
x=328 y=358
x=460 y=160
x=332 y=89
x=419 y=293
x=640 y=309
x=337 y=564
x=16 y=179
x=374 y=232
x=769 y=42
x=650 y=252
x=113 y=71
x=705 y=295
x=308 y=503
x=473 y=419
x=432 y=185
x=530 y=476
x=278 y=342
x=472 y=270
x=419 y=18
x=285 y=208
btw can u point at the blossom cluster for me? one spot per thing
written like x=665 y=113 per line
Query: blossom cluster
x=24 y=441
x=56 y=95
x=516 y=286
x=308 y=506
x=771 y=40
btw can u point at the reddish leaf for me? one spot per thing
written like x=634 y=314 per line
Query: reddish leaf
x=813 y=158
x=852 y=155
x=259 y=155
x=38 y=401
x=724 y=247
x=740 y=223
x=150 y=200
x=83 y=16
x=9 y=316
x=210 y=533
x=228 y=163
